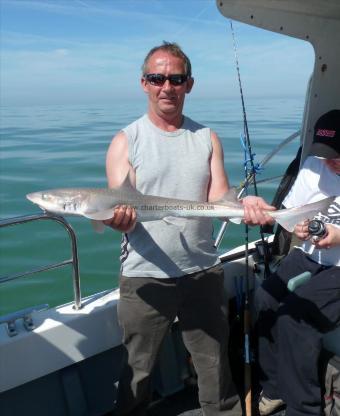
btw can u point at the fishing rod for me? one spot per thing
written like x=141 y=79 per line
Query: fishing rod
x=246 y=312
x=249 y=180
x=248 y=165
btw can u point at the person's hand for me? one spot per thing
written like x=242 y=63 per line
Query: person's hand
x=331 y=239
x=255 y=209
x=123 y=220
x=301 y=230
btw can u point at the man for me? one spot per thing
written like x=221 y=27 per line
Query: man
x=291 y=325
x=170 y=268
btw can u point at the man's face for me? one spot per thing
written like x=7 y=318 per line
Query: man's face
x=333 y=165
x=166 y=99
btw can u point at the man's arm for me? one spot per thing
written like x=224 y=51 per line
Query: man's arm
x=219 y=185
x=117 y=168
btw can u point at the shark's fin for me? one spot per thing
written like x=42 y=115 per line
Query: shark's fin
x=289 y=223
x=99 y=215
x=288 y=218
x=98 y=226
x=168 y=220
x=236 y=220
x=127 y=186
x=230 y=197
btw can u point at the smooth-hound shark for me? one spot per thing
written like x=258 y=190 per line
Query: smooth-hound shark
x=98 y=205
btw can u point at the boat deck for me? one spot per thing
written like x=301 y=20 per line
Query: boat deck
x=183 y=403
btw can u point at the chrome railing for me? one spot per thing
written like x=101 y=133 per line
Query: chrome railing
x=74 y=255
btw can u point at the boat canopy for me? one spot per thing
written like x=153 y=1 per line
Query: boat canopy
x=315 y=21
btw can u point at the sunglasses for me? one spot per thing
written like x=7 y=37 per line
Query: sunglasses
x=159 y=79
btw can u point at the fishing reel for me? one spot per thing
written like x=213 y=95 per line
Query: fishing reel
x=317 y=229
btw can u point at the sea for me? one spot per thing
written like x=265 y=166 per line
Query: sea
x=54 y=146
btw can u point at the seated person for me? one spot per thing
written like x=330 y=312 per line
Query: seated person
x=291 y=324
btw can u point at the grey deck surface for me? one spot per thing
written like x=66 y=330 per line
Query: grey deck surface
x=183 y=403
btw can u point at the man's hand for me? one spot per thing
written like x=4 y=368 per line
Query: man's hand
x=301 y=230
x=254 y=211
x=332 y=238
x=123 y=220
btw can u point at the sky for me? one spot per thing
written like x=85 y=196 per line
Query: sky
x=91 y=51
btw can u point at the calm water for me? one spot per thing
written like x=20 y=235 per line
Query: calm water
x=59 y=146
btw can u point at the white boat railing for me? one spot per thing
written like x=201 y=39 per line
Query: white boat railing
x=72 y=261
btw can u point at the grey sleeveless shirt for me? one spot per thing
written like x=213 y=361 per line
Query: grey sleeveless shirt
x=176 y=165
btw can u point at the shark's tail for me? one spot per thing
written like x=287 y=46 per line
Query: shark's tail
x=288 y=218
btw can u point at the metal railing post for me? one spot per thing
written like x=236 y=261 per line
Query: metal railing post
x=74 y=252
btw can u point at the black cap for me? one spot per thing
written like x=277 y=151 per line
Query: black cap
x=326 y=141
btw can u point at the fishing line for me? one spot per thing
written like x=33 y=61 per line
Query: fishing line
x=249 y=161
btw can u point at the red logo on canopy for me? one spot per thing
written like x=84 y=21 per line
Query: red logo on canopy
x=325 y=133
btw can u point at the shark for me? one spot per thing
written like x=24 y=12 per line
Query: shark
x=97 y=204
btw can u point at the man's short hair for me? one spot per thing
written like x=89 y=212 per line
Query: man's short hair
x=172 y=48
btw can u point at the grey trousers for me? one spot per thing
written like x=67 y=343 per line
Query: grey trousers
x=146 y=310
